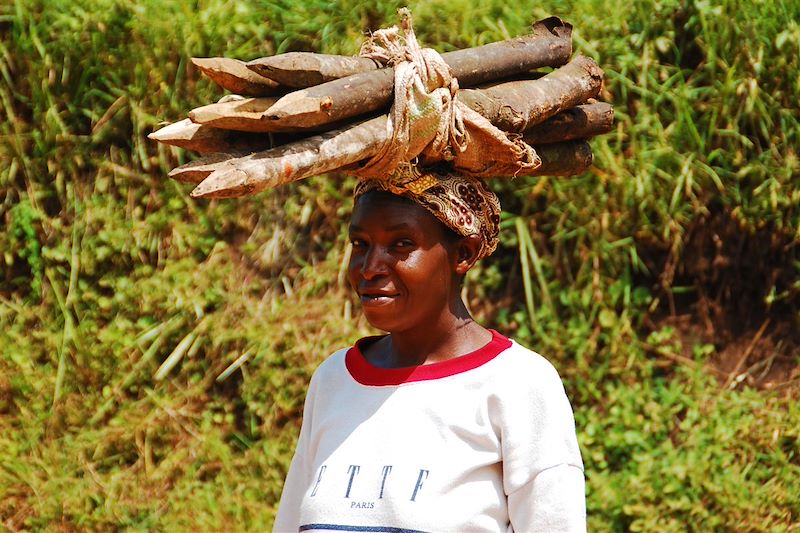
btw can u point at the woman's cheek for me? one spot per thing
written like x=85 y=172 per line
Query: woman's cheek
x=354 y=270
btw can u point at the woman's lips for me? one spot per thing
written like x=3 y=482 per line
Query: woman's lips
x=377 y=300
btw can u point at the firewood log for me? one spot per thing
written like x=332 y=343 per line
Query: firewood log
x=233 y=75
x=476 y=65
x=563 y=159
x=291 y=162
x=365 y=92
x=306 y=69
x=519 y=105
x=580 y=122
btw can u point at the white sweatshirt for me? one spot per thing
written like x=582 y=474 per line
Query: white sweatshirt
x=481 y=442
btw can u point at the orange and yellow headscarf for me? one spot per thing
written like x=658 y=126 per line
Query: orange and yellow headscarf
x=463 y=204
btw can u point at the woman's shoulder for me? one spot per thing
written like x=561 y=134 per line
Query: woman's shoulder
x=333 y=363
x=517 y=356
x=526 y=368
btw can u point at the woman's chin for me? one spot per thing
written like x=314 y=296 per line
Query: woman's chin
x=383 y=315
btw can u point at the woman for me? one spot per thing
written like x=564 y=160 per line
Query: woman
x=441 y=425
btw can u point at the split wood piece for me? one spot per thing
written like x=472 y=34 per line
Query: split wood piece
x=206 y=139
x=549 y=45
x=580 y=122
x=199 y=169
x=509 y=106
x=309 y=157
x=233 y=75
x=246 y=115
x=230 y=179
x=518 y=105
x=306 y=69
x=241 y=115
x=562 y=159
x=333 y=150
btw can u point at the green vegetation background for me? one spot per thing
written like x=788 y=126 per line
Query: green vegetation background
x=663 y=283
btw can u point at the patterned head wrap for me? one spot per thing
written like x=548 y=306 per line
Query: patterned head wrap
x=464 y=204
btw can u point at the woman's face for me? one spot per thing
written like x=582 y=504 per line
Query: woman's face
x=403 y=263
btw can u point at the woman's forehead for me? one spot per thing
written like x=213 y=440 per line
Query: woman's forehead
x=385 y=210
x=384 y=202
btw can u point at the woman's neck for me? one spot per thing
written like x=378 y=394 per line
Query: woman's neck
x=455 y=334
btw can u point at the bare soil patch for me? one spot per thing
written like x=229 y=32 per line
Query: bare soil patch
x=738 y=293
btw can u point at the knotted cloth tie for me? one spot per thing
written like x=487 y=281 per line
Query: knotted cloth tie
x=427 y=124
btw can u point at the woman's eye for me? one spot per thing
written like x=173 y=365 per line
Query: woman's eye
x=357 y=243
x=404 y=243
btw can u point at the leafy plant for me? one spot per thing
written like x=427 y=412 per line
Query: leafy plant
x=154 y=349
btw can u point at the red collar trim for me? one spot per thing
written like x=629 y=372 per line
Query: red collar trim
x=367 y=374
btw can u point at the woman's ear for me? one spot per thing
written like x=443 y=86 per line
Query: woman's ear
x=468 y=250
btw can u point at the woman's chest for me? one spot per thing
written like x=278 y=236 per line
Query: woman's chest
x=405 y=460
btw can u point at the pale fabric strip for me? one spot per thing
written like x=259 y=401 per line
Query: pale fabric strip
x=426 y=122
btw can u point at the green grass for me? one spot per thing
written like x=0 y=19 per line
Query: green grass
x=108 y=269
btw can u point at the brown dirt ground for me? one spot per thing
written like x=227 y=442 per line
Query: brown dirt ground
x=731 y=271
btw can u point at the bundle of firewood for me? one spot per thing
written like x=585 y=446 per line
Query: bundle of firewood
x=301 y=114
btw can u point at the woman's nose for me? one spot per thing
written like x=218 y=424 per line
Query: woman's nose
x=375 y=263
